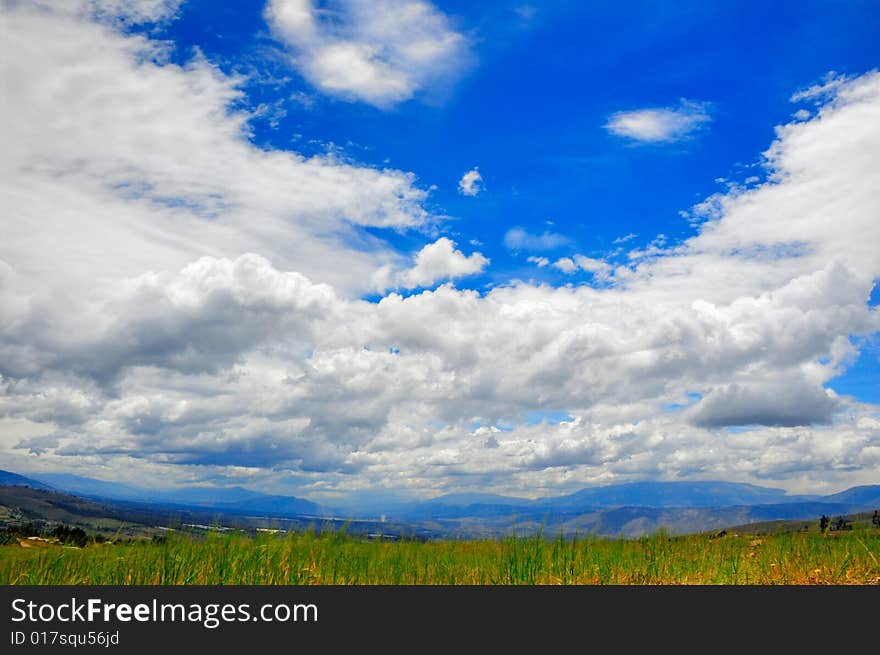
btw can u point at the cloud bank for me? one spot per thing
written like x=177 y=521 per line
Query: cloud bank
x=180 y=305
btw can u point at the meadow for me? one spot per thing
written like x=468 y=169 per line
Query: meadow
x=307 y=558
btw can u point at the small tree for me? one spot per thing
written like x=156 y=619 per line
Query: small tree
x=78 y=537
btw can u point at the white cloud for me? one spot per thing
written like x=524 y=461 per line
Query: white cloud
x=540 y=262
x=660 y=124
x=566 y=265
x=471 y=183
x=177 y=304
x=148 y=167
x=830 y=85
x=128 y=11
x=137 y=11
x=517 y=238
x=438 y=261
x=600 y=268
x=781 y=400
x=380 y=51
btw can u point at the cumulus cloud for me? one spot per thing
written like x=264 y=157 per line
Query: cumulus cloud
x=601 y=269
x=196 y=321
x=517 y=238
x=438 y=261
x=200 y=319
x=778 y=401
x=569 y=265
x=380 y=51
x=566 y=265
x=660 y=124
x=471 y=183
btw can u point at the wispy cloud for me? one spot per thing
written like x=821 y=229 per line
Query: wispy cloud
x=830 y=84
x=525 y=12
x=540 y=262
x=519 y=239
x=660 y=124
x=377 y=51
x=129 y=12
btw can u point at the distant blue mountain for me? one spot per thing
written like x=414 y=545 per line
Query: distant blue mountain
x=865 y=495
x=463 y=499
x=210 y=495
x=276 y=506
x=90 y=487
x=10 y=479
x=625 y=508
x=638 y=521
x=672 y=494
x=649 y=495
x=230 y=499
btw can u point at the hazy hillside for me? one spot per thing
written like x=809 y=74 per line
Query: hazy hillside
x=639 y=494
x=636 y=521
x=20 y=505
x=673 y=494
x=865 y=495
x=860 y=520
x=233 y=499
x=626 y=509
x=15 y=480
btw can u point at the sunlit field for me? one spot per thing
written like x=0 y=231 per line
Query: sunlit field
x=310 y=558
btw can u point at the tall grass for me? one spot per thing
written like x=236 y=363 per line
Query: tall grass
x=310 y=558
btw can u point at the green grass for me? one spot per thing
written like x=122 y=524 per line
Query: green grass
x=309 y=558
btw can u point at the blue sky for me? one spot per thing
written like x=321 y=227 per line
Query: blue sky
x=530 y=111
x=418 y=248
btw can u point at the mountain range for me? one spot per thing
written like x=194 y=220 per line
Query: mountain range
x=229 y=499
x=628 y=509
